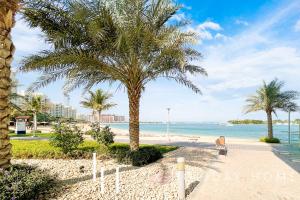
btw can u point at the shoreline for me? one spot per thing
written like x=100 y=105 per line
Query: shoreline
x=123 y=134
x=155 y=136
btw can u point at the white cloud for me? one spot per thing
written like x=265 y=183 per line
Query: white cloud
x=297 y=26
x=27 y=40
x=241 y=22
x=236 y=67
x=179 y=17
x=209 y=25
x=204 y=30
x=220 y=36
x=187 y=7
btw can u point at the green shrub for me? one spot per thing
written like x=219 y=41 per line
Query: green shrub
x=89 y=132
x=67 y=138
x=37 y=131
x=36 y=149
x=145 y=155
x=102 y=136
x=23 y=182
x=269 y=140
x=11 y=131
x=113 y=148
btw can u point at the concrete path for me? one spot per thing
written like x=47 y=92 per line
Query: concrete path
x=249 y=173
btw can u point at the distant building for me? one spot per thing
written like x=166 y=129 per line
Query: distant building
x=107 y=118
x=82 y=117
x=59 y=110
x=119 y=118
x=45 y=101
x=22 y=97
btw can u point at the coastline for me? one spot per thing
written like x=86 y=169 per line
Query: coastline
x=153 y=136
x=122 y=134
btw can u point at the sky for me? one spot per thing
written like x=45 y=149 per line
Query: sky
x=242 y=43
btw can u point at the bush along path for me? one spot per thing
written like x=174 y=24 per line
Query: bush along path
x=23 y=182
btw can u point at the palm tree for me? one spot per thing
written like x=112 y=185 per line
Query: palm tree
x=33 y=104
x=269 y=98
x=131 y=42
x=98 y=101
x=8 y=8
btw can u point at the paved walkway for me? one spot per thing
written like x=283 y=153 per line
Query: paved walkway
x=249 y=173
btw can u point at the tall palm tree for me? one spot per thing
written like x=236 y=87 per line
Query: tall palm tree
x=131 y=42
x=270 y=98
x=33 y=104
x=98 y=101
x=8 y=8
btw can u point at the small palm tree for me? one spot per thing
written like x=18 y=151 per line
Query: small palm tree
x=270 y=98
x=33 y=104
x=131 y=42
x=98 y=101
x=8 y=9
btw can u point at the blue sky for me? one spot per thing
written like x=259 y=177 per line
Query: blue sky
x=242 y=42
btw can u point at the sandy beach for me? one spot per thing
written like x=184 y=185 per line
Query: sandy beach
x=122 y=135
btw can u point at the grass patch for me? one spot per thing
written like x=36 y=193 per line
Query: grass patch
x=41 y=135
x=269 y=140
x=43 y=150
x=37 y=149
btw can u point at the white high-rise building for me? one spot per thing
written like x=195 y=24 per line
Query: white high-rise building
x=59 y=110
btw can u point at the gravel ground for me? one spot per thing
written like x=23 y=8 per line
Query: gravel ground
x=154 y=181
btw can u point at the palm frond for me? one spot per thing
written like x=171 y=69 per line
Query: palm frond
x=269 y=98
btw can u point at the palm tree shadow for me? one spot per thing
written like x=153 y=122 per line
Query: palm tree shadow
x=191 y=187
x=194 y=157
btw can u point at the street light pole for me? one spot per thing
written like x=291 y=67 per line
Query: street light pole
x=168 y=124
x=289 y=127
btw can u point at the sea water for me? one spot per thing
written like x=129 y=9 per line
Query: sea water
x=250 y=131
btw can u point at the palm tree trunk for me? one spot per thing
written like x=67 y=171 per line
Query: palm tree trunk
x=99 y=120
x=134 y=96
x=6 y=54
x=270 y=125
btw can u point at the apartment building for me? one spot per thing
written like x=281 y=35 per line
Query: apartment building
x=107 y=118
x=59 y=110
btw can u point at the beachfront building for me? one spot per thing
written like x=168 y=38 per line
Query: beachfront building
x=119 y=118
x=59 y=110
x=82 y=117
x=23 y=96
x=21 y=102
x=106 y=118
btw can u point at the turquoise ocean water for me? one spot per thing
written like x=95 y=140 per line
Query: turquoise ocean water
x=216 y=129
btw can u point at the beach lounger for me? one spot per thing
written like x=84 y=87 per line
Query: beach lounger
x=221 y=146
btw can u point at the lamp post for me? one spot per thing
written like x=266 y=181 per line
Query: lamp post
x=168 y=124
x=290 y=107
x=289 y=127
